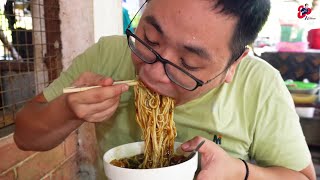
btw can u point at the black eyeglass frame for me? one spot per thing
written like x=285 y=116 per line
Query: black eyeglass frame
x=165 y=61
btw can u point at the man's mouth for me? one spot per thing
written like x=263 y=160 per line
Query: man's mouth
x=152 y=87
x=149 y=86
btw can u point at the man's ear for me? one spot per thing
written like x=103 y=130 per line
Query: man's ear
x=234 y=66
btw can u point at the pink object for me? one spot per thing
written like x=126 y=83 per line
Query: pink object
x=314 y=38
x=292 y=46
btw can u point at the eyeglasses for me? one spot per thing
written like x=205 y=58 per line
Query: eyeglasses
x=175 y=73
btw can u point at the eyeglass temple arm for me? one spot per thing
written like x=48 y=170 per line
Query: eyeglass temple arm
x=136 y=14
x=228 y=66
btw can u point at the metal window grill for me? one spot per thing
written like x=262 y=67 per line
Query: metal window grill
x=30 y=52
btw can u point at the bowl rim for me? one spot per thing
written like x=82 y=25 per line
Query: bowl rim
x=140 y=142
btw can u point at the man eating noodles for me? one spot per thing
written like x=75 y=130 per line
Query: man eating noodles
x=194 y=52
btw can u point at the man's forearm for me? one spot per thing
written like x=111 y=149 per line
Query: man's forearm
x=42 y=126
x=261 y=173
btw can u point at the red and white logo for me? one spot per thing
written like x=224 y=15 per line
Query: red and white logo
x=303 y=11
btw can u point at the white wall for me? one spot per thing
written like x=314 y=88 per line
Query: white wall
x=77 y=34
x=107 y=18
x=76 y=28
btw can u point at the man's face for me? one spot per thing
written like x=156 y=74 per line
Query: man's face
x=192 y=36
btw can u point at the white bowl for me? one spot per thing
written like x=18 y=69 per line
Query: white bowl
x=182 y=171
x=305 y=112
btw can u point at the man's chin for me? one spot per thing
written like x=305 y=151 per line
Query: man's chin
x=166 y=94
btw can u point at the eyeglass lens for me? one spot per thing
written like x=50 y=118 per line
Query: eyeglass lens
x=174 y=73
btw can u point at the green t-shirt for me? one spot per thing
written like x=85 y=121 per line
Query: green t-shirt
x=253 y=117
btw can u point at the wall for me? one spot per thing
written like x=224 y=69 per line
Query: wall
x=107 y=18
x=75 y=157
x=59 y=163
x=92 y=19
x=77 y=34
x=62 y=162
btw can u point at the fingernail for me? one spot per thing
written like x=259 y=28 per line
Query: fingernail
x=185 y=146
x=125 y=88
x=104 y=82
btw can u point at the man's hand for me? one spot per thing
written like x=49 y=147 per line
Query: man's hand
x=98 y=104
x=216 y=164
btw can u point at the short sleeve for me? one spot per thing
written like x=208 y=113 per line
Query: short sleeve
x=105 y=57
x=81 y=63
x=278 y=137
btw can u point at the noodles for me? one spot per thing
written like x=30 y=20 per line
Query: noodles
x=135 y=162
x=154 y=114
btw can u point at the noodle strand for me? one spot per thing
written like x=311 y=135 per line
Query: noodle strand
x=154 y=114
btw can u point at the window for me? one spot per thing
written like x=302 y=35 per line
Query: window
x=30 y=53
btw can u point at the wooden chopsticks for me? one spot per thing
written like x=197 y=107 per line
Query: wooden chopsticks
x=74 y=89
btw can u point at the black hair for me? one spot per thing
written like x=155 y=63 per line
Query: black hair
x=306 y=4
x=251 y=14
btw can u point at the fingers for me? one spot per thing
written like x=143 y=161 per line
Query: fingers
x=97 y=104
x=193 y=143
x=98 y=107
x=204 y=175
x=85 y=111
x=106 y=114
x=104 y=93
x=98 y=95
x=92 y=79
x=105 y=82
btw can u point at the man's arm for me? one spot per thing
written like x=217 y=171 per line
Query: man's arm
x=275 y=173
x=217 y=164
x=41 y=125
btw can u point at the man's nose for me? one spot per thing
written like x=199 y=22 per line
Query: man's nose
x=158 y=73
x=158 y=68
